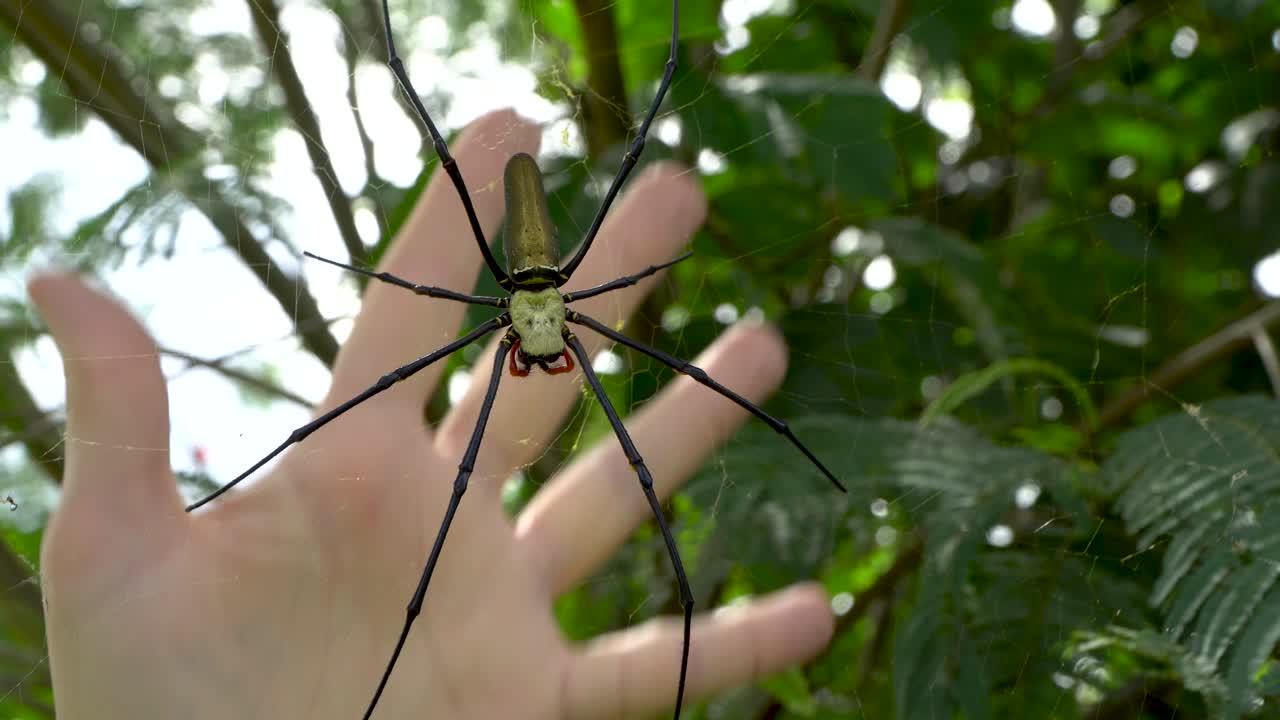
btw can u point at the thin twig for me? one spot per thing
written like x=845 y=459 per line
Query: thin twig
x=352 y=57
x=1267 y=352
x=880 y=591
x=1187 y=363
x=95 y=77
x=1142 y=696
x=1066 y=47
x=720 y=229
x=370 y=26
x=881 y=619
x=371 y=20
x=266 y=21
x=22 y=612
x=239 y=376
x=373 y=181
x=885 y=586
x=844 y=28
x=41 y=432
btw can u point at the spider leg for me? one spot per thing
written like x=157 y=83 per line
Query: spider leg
x=646 y=483
x=459 y=488
x=633 y=153
x=384 y=382
x=417 y=289
x=626 y=281
x=701 y=376
x=442 y=150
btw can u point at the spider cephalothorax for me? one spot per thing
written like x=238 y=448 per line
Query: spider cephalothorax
x=536 y=314
x=537 y=317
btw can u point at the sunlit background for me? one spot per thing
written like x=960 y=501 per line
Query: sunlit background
x=202 y=302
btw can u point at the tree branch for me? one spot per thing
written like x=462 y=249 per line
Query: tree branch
x=893 y=15
x=94 y=76
x=39 y=434
x=266 y=21
x=1120 y=27
x=604 y=125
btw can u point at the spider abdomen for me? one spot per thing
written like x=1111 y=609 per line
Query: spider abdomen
x=533 y=251
x=537 y=316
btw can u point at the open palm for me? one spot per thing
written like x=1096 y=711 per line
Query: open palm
x=283 y=598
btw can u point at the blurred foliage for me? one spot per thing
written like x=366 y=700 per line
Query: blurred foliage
x=1017 y=541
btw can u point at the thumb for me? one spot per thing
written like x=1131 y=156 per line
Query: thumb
x=117 y=437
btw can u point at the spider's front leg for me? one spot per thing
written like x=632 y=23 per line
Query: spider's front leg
x=699 y=375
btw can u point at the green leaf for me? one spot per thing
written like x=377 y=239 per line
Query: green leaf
x=842 y=124
x=1207 y=481
x=791 y=688
x=972 y=384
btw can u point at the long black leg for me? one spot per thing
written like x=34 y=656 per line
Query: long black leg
x=633 y=153
x=626 y=281
x=459 y=488
x=701 y=376
x=384 y=382
x=442 y=150
x=417 y=289
x=646 y=483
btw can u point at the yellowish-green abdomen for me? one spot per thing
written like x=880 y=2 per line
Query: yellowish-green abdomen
x=533 y=251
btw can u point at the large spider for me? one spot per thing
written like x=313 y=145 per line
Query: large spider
x=537 y=334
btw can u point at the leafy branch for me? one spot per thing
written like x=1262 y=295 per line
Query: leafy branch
x=96 y=78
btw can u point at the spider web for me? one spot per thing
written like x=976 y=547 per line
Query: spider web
x=926 y=256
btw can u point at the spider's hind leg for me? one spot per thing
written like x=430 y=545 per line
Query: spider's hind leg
x=465 y=469
x=646 y=484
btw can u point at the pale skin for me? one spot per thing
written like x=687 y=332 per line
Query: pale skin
x=283 y=598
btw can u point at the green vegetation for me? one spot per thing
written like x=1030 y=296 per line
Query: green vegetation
x=1054 y=423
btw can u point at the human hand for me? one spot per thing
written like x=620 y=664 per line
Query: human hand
x=284 y=597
